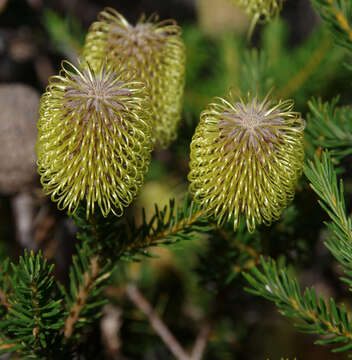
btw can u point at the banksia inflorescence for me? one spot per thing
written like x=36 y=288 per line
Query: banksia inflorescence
x=94 y=138
x=246 y=158
x=260 y=10
x=155 y=51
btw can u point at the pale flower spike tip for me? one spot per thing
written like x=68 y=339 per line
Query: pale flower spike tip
x=94 y=138
x=246 y=158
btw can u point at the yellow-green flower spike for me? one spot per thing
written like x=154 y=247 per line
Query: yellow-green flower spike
x=94 y=138
x=155 y=51
x=246 y=158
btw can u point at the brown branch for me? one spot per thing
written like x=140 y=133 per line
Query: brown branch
x=83 y=292
x=201 y=342
x=160 y=328
x=316 y=318
x=153 y=239
x=5 y=346
x=110 y=325
x=3 y=299
x=176 y=228
x=247 y=265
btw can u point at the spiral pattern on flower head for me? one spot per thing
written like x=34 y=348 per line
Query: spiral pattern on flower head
x=155 y=51
x=94 y=138
x=246 y=158
x=260 y=10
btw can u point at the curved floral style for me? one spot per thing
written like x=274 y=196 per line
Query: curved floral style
x=155 y=51
x=94 y=138
x=260 y=10
x=246 y=158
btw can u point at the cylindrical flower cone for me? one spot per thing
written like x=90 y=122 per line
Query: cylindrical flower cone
x=94 y=138
x=155 y=51
x=246 y=158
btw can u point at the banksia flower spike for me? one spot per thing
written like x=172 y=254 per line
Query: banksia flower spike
x=246 y=158
x=155 y=51
x=94 y=138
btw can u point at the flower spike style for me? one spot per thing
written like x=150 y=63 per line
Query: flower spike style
x=94 y=138
x=260 y=10
x=246 y=158
x=155 y=51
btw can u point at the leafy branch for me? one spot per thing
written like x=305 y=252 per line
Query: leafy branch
x=275 y=284
x=31 y=325
x=329 y=126
x=338 y=16
x=167 y=226
x=87 y=281
x=174 y=224
x=314 y=314
x=237 y=269
x=4 y=284
x=99 y=236
x=228 y=254
x=324 y=182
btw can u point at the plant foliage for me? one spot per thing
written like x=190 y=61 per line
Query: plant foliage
x=44 y=318
x=34 y=311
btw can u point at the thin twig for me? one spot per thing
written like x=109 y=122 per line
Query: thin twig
x=83 y=292
x=201 y=342
x=110 y=326
x=319 y=319
x=3 y=299
x=170 y=341
x=4 y=346
x=161 y=329
x=247 y=265
x=176 y=228
x=155 y=238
